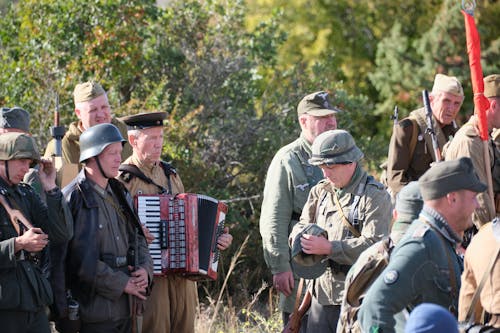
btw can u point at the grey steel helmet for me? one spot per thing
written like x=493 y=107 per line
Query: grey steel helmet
x=94 y=140
x=335 y=147
x=16 y=145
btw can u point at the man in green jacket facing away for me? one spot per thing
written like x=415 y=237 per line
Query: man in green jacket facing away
x=289 y=180
x=424 y=267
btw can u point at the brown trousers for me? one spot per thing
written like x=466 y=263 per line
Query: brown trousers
x=171 y=307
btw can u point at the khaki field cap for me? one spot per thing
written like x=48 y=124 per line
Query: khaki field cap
x=308 y=266
x=16 y=146
x=492 y=86
x=335 y=147
x=450 y=176
x=316 y=104
x=448 y=84
x=144 y=120
x=87 y=91
x=15 y=118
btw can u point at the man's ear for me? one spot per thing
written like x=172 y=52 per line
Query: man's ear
x=77 y=112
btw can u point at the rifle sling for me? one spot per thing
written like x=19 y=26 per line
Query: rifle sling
x=134 y=170
x=344 y=218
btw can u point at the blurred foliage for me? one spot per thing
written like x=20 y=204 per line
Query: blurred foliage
x=230 y=74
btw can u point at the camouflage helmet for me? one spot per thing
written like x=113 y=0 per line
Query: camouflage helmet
x=16 y=145
x=335 y=147
x=94 y=140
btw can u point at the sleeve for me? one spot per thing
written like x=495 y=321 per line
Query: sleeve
x=467 y=290
x=145 y=260
x=108 y=283
x=7 y=253
x=377 y=216
x=396 y=287
x=275 y=217
x=399 y=158
x=50 y=217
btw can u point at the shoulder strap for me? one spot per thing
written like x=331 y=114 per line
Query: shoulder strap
x=453 y=282
x=168 y=170
x=353 y=230
x=469 y=318
x=134 y=170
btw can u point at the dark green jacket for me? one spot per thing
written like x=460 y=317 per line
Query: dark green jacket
x=422 y=268
x=23 y=287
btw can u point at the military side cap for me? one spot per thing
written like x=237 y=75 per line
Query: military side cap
x=492 y=85
x=87 y=91
x=335 y=147
x=448 y=84
x=144 y=120
x=316 y=104
x=409 y=201
x=308 y=266
x=450 y=176
x=16 y=118
x=431 y=318
x=16 y=145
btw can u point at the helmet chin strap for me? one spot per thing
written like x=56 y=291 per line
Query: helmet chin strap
x=100 y=168
x=7 y=170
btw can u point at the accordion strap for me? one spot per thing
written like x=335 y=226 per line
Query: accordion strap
x=134 y=170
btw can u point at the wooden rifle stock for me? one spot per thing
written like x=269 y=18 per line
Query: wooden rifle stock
x=293 y=325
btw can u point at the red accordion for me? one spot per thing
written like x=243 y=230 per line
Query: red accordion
x=186 y=227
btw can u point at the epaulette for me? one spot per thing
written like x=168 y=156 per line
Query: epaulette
x=405 y=123
x=372 y=181
x=420 y=231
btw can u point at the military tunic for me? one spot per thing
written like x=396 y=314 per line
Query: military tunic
x=422 y=268
x=23 y=287
x=374 y=214
x=403 y=168
x=171 y=307
x=467 y=143
x=477 y=259
x=98 y=255
x=288 y=182
x=71 y=144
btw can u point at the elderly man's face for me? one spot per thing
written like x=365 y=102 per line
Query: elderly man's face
x=445 y=106
x=312 y=126
x=147 y=144
x=93 y=112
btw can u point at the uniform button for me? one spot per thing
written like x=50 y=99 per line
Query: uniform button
x=117 y=237
x=100 y=226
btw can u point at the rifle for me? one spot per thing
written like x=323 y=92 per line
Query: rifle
x=293 y=325
x=57 y=131
x=394 y=116
x=137 y=306
x=430 y=126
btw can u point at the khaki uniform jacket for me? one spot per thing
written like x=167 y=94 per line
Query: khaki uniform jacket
x=171 y=307
x=467 y=143
x=289 y=179
x=374 y=214
x=403 y=168
x=71 y=144
x=477 y=259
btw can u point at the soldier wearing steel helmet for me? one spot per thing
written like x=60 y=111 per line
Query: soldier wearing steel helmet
x=353 y=208
x=24 y=288
x=105 y=230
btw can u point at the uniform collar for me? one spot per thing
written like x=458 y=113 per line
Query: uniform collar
x=8 y=189
x=141 y=165
x=440 y=223
x=353 y=186
x=305 y=144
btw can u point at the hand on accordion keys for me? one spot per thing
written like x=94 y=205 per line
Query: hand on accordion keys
x=224 y=240
x=149 y=236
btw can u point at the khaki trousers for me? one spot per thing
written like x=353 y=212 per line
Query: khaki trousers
x=171 y=307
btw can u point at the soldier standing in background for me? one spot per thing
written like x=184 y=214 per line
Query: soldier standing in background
x=410 y=149
x=288 y=182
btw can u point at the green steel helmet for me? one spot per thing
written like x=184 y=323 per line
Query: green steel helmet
x=16 y=146
x=94 y=140
x=335 y=147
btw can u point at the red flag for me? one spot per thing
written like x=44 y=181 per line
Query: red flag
x=481 y=103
